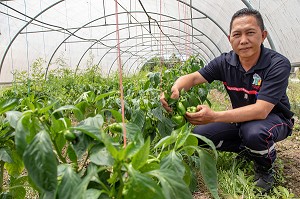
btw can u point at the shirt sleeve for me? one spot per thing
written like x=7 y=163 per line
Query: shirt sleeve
x=275 y=83
x=212 y=71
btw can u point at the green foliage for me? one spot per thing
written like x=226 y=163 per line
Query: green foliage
x=294 y=97
x=161 y=62
x=60 y=130
x=158 y=161
x=236 y=179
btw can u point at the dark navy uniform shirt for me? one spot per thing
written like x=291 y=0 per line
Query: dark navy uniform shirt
x=267 y=80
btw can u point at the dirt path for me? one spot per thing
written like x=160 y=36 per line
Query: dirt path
x=289 y=153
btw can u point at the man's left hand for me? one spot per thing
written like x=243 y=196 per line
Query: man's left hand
x=204 y=115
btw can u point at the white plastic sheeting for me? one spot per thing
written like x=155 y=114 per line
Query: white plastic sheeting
x=78 y=34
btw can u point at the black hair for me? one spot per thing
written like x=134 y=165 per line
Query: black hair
x=248 y=12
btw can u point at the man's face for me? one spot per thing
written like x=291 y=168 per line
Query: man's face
x=246 y=37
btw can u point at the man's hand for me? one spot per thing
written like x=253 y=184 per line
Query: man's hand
x=174 y=95
x=204 y=115
x=164 y=102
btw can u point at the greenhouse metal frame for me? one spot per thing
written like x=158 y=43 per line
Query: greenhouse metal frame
x=78 y=32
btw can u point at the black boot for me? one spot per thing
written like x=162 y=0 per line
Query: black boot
x=263 y=178
x=243 y=156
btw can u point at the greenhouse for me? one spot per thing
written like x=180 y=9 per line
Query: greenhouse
x=81 y=105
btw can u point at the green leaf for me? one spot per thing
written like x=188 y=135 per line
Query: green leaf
x=193 y=99
x=132 y=131
x=149 y=166
x=78 y=114
x=203 y=92
x=99 y=97
x=173 y=185
x=41 y=164
x=91 y=126
x=141 y=157
x=208 y=171
x=157 y=112
x=60 y=124
x=141 y=186
x=91 y=131
x=208 y=142
x=27 y=128
x=88 y=96
x=57 y=127
x=6 y=195
x=100 y=156
x=154 y=78
x=93 y=193
x=13 y=117
x=60 y=141
x=82 y=143
x=116 y=114
x=47 y=108
x=68 y=184
x=96 y=121
x=129 y=151
x=195 y=67
x=188 y=176
x=165 y=127
x=190 y=141
x=17 y=187
x=166 y=141
x=109 y=146
x=82 y=106
x=16 y=167
x=100 y=104
x=81 y=188
x=5 y=155
x=173 y=162
x=138 y=118
x=8 y=104
x=72 y=154
x=193 y=182
x=182 y=136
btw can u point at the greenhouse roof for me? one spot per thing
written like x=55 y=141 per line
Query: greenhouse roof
x=94 y=32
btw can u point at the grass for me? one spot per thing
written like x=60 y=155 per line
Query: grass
x=294 y=96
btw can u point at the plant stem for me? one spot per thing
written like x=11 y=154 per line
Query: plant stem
x=63 y=159
x=119 y=195
x=1 y=175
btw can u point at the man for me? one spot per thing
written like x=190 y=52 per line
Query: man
x=256 y=79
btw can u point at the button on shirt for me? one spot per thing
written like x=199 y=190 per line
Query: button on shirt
x=267 y=80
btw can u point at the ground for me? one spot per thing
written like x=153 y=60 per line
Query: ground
x=289 y=154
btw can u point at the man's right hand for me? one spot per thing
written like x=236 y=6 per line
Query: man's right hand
x=164 y=102
x=174 y=95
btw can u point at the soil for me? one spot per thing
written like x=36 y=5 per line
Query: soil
x=289 y=153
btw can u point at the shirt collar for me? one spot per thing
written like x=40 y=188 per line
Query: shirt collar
x=263 y=61
x=232 y=58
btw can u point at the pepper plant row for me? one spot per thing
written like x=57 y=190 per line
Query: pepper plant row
x=75 y=149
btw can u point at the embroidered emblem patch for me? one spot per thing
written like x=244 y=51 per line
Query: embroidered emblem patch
x=256 y=81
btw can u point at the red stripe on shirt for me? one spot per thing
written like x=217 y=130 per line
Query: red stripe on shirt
x=252 y=92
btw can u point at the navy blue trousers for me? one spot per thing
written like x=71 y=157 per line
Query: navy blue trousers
x=257 y=137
